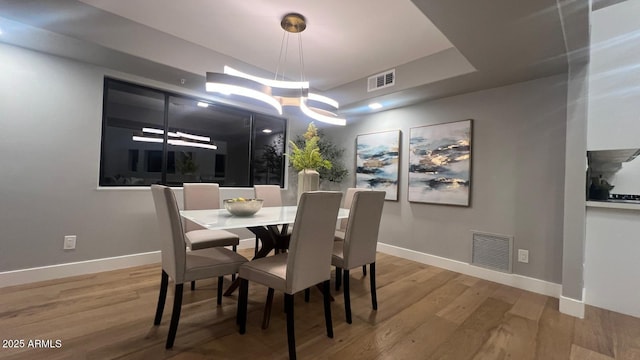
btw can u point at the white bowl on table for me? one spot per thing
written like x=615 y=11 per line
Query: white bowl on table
x=242 y=207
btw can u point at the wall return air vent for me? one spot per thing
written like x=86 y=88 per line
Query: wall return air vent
x=382 y=80
x=492 y=251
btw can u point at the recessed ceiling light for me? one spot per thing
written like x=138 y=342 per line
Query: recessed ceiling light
x=267 y=131
x=375 y=106
x=202 y=104
x=0 y=31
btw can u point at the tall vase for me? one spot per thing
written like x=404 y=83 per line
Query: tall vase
x=308 y=180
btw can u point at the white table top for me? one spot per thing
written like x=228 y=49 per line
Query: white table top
x=219 y=219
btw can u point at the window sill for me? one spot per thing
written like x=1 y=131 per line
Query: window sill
x=613 y=205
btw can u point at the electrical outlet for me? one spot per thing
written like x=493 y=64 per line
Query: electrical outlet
x=523 y=256
x=69 y=242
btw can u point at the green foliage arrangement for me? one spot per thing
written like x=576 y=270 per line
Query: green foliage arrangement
x=333 y=153
x=307 y=155
x=329 y=151
x=272 y=160
x=186 y=165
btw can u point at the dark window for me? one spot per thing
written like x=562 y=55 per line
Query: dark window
x=153 y=161
x=268 y=150
x=220 y=166
x=151 y=136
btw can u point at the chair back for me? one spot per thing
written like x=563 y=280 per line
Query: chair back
x=309 y=259
x=361 y=236
x=348 y=199
x=171 y=232
x=200 y=196
x=270 y=194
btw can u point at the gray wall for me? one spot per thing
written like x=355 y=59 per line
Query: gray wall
x=51 y=117
x=517 y=180
x=51 y=120
x=575 y=175
x=50 y=113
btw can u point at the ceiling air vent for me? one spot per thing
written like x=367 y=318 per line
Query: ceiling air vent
x=382 y=80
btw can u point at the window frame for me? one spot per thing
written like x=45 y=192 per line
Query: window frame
x=167 y=94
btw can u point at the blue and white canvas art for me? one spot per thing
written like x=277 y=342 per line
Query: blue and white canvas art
x=440 y=163
x=377 y=162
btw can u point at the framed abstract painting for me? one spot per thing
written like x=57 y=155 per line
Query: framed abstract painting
x=440 y=163
x=377 y=162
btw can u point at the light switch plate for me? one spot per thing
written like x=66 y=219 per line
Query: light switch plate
x=523 y=256
x=69 y=242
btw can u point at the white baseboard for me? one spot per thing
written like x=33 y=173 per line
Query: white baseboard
x=43 y=273
x=518 y=281
x=572 y=306
x=26 y=276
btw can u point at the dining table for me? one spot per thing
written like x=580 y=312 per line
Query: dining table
x=264 y=224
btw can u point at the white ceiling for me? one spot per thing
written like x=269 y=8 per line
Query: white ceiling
x=360 y=37
x=485 y=43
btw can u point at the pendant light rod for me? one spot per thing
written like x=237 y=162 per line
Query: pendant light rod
x=279 y=93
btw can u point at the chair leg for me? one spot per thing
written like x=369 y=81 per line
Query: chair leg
x=374 y=297
x=220 y=282
x=193 y=285
x=364 y=270
x=338 y=278
x=291 y=335
x=235 y=249
x=164 y=283
x=327 y=308
x=347 y=297
x=243 y=298
x=307 y=294
x=266 y=316
x=175 y=316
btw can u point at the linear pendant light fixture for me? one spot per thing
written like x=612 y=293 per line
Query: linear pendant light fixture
x=274 y=92
x=191 y=140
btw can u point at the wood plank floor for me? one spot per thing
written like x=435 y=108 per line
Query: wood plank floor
x=424 y=312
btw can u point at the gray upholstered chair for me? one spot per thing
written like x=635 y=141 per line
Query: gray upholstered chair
x=269 y=193
x=200 y=196
x=182 y=265
x=348 y=199
x=271 y=196
x=360 y=241
x=339 y=235
x=307 y=263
